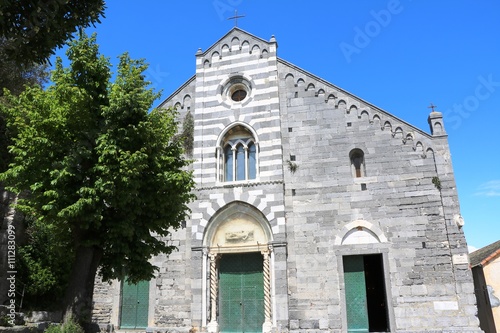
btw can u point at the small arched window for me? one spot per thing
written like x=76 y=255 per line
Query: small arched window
x=238 y=155
x=357 y=163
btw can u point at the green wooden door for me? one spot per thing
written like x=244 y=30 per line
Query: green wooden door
x=355 y=294
x=241 y=293
x=134 y=305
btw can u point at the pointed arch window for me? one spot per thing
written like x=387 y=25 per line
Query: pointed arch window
x=237 y=157
x=357 y=163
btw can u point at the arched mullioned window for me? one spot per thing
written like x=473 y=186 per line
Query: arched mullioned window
x=357 y=163
x=237 y=155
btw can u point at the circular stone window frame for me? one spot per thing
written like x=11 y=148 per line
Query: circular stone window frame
x=231 y=85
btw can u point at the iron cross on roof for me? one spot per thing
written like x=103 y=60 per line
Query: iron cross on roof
x=236 y=17
x=432 y=106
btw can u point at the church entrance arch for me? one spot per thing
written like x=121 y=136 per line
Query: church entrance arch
x=237 y=242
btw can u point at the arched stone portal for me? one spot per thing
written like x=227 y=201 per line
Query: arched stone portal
x=237 y=248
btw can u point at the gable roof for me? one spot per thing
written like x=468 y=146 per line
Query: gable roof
x=374 y=107
x=484 y=255
x=234 y=31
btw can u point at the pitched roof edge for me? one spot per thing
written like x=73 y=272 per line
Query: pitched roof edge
x=349 y=93
x=485 y=254
x=491 y=257
x=165 y=100
x=227 y=34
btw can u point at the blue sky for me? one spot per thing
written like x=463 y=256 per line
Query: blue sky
x=399 y=55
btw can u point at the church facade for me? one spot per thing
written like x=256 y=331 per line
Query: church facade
x=316 y=211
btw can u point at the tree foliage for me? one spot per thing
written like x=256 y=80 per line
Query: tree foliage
x=98 y=168
x=187 y=135
x=44 y=262
x=34 y=28
x=14 y=76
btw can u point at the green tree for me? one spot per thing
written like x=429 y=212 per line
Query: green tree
x=34 y=28
x=14 y=77
x=43 y=265
x=98 y=168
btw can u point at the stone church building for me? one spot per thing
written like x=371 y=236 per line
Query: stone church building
x=316 y=211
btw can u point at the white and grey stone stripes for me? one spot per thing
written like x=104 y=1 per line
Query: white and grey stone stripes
x=269 y=203
x=403 y=208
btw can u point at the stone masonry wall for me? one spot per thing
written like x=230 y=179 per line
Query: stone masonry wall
x=396 y=198
x=102 y=303
x=172 y=300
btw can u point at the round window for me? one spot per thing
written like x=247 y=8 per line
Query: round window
x=239 y=95
x=236 y=89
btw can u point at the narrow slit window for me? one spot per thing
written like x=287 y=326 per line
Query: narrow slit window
x=357 y=163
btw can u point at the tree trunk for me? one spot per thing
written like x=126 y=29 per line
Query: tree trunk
x=78 y=298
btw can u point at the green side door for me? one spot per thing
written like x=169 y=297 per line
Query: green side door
x=241 y=293
x=355 y=294
x=134 y=305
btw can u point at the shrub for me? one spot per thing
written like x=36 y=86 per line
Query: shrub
x=71 y=326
